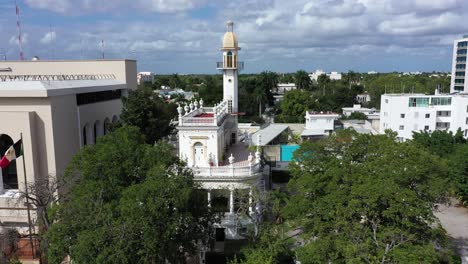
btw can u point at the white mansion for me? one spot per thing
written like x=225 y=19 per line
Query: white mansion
x=209 y=144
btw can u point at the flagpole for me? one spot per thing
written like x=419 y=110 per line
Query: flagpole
x=27 y=198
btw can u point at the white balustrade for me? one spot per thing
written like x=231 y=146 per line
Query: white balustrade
x=226 y=171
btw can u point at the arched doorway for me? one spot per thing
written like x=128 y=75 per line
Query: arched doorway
x=198 y=154
x=9 y=174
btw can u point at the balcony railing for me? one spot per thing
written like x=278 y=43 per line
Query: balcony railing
x=227 y=172
x=220 y=66
x=192 y=118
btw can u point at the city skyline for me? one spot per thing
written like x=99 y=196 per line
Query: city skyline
x=179 y=36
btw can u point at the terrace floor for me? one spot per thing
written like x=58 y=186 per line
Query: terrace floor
x=240 y=152
x=205 y=115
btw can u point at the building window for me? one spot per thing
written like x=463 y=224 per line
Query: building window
x=402 y=127
x=9 y=174
x=462 y=44
x=444 y=113
x=441 y=101
x=428 y=115
x=386 y=101
x=95 y=97
x=418 y=102
x=229 y=60
x=426 y=127
x=402 y=115
x=466 y=122
x=85 y=141
x=442 y=125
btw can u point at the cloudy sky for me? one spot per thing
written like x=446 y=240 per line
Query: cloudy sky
x=184 y=36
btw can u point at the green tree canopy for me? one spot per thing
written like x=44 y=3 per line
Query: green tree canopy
x=146 y=110
x=439 y=142
x=367 y=199
x=130 y=203
x=294 y=106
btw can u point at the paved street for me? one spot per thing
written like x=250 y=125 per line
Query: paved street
x=454 y=219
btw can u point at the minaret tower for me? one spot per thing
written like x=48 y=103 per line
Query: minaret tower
x=230 y=67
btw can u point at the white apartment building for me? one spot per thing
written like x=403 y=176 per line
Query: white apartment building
x=459 y=81
x=357 y=108
x=363 y=98
x=319 y=124
x=143 y=77
x=332 y=75
x=405 y=113
x=57 y=107
x=282 y=88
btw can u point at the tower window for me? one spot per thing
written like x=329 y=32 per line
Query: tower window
x=229 y=60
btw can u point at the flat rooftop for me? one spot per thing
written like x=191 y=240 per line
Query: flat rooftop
x=57 y=88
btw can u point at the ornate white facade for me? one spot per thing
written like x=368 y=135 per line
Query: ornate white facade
x=209 y=144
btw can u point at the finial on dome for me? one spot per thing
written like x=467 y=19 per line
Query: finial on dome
x=230 y=26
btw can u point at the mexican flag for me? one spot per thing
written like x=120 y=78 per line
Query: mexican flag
x=11 y=154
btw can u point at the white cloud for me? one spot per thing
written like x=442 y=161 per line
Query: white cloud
x=14 y=39
x=74 y=7
x=48 y=38
x=314 y=31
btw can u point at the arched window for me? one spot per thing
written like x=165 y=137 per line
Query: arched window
x=95 y=132
x=115 y=119
x=84 y=136
x=229 y=59
x=9 y=174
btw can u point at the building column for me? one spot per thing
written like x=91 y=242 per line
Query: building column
x=231 y=201
x=209 y=198
x=250 y=201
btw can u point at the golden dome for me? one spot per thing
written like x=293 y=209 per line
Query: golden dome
x=230 y=39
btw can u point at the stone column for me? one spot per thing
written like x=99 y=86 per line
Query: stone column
x=231 y=201
x=209 y=198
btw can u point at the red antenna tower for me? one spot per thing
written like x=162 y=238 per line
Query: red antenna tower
x=18 y=25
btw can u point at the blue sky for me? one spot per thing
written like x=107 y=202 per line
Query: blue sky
x=184 y=36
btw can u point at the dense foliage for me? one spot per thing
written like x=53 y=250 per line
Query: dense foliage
x=454 y=149
x=130 y=202
x=359 y=199
x=364 y=198
x=150 y=113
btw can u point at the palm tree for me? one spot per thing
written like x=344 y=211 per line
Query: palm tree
x=302 y=80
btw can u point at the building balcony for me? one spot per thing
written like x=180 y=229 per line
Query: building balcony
x=222 y=66
x=226 y=172
x=202 y=116
x=240 y=163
